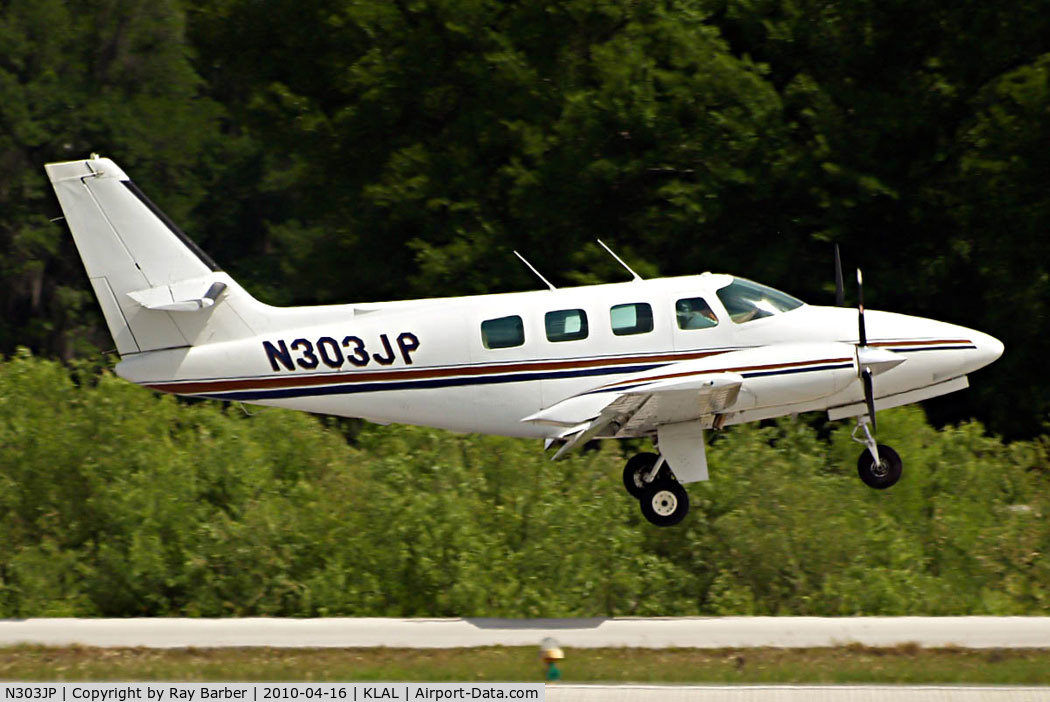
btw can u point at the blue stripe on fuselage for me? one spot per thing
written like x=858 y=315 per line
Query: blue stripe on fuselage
x=519 y=377
x=354 y=388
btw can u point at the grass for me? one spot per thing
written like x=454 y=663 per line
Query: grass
x=849 y=664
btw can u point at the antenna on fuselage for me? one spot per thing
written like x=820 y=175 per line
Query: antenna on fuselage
x=533 y=269
x=840 y=292
x=618 y=259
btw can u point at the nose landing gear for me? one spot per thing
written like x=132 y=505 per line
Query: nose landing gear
x=649 y=479
x=879 y=466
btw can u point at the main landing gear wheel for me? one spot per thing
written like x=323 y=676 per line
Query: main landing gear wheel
x=884 y=474
x=664 y=502
x=636 y=470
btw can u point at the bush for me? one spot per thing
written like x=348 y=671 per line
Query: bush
x=117 y=502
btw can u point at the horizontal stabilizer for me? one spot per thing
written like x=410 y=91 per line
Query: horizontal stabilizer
x=164 y=298
x=146 y=272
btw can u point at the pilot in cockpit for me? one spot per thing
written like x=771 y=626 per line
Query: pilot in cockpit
x=695 y=313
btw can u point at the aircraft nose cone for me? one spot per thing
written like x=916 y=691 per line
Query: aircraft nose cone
x=988 y=348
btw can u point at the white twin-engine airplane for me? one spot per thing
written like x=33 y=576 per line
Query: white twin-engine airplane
x=666 y=358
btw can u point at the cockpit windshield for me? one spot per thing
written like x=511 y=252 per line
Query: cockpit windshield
x=746 y=300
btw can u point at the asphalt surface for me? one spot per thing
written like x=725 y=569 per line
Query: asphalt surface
x=688 y=632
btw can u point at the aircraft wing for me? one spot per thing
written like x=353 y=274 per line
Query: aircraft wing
x=636 y=410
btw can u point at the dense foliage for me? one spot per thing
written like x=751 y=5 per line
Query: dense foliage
x=327 y=150
x=115 y=501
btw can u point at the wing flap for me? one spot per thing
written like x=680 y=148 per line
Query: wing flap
x=681 y=400
x=640 y=409
x=611 y=419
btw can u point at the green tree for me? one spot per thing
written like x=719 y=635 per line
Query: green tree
x=117 y=502
x=104 y=76
x=437 y=136
x=302 y=142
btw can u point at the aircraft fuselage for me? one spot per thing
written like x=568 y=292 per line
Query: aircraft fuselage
x=424 y=362
x=667 y=358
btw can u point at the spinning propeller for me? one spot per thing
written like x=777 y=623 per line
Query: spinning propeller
x=870 y=361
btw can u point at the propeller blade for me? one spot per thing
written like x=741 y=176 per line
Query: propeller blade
x=840 y=292
x=862 y=332
x=869 y=395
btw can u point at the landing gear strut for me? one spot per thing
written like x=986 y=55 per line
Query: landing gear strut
x=879 y=466
x=649 y=479
x=642 y=469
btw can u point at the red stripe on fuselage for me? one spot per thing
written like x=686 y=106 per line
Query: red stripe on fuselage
x=738 y=369
x=935 y=342
x=194 y=387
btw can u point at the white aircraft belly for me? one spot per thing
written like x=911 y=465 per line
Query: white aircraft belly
x=448 y=408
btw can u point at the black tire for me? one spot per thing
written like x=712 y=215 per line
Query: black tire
x=664 y=502
x=639 y=465
x=886 y=474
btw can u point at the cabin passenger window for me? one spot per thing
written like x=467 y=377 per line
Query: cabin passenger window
x=694 y=313
x=566 y=325
x=633 y=318
x=502 y=333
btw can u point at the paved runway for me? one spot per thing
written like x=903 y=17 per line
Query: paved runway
x=794 y=693
x=687 y=632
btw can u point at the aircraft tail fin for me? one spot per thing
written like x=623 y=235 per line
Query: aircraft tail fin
x=157 y=289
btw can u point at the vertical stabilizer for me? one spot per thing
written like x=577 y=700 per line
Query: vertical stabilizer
x=157 y=289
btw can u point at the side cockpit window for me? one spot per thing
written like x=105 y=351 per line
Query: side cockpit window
x=746 y=301
x=502 y=333
x=565 y=325
x=632 y=318
x=694 y=313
